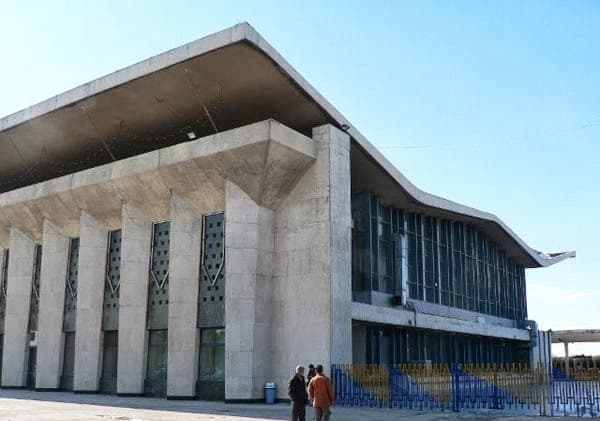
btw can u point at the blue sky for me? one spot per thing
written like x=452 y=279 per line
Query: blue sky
x=492 y=104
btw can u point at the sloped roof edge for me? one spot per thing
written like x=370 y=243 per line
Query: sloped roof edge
x=245 y=32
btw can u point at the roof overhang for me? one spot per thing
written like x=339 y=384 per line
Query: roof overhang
x=576 y=335
x=226 y=80
x=264 y=159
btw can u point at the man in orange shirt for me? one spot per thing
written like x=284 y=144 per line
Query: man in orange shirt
x=320 y=391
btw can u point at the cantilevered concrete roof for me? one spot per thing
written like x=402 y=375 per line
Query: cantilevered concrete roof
x=576 y=335
x=226 y=80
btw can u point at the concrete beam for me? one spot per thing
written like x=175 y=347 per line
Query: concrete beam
x=248 y=273
x=18 y=300
x=184 y=267
x=404 y=317
x=265 y=159
x=133 y=301
x=53 y=275
x=93 y=242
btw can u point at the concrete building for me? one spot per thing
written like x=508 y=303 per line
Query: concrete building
x=199 y=223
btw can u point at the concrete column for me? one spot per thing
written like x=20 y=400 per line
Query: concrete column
x=340 y=222
x=248 y=295
x=18 y=300
x=184 y=267
x=133 y=301
x=93 y=241
x=53 y=276
x=312 y=284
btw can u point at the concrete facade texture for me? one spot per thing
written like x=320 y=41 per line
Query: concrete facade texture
x=288 y=297
x=287 y=261
x=52 y=299
x=133 y=336
x=90 y=286
x=285 y=190
x=18 y=298
x=340 y=217
x=278 y=159
x=183 y=299
x=248 y=268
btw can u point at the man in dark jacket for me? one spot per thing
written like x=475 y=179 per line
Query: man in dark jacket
x=311 y=373
x=298 y=395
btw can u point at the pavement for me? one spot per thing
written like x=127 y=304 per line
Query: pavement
x=27 y=405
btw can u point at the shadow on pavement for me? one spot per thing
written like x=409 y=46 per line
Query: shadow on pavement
x=261 y=411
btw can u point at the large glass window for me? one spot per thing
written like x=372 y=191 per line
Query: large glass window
x=212 y=355
x=384 y=344
x=446 y=262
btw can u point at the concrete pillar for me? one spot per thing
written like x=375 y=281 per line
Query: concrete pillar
x=312 y=287
x=133 y=301
x=18 y=300
x=340 y=222
x=184 y=267
x=248 y=299
x=53 y=275
x=93 y=241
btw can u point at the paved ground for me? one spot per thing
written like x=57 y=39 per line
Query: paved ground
x=63 y=406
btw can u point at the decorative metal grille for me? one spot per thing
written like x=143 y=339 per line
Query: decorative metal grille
x=158 y=293
x=3 y=284
x=70 y=309
x=112 y=284
x=35 y=289
x=211 y=306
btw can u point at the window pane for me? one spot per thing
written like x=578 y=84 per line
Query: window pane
x=212 y=355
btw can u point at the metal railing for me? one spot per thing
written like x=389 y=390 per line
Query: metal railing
x=510 y=388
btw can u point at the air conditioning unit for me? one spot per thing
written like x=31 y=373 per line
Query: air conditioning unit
x=33 y=338
x=397 y=300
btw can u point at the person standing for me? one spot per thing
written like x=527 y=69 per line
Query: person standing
x=298 y=395
x=311 y=373
x=320 y=391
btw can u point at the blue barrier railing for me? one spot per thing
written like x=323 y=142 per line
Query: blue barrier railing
x=578 y=394
x=512 y=389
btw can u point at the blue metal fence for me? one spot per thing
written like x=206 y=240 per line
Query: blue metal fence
x=510 y=389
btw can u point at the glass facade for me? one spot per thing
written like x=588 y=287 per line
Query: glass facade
x=439 y=261
x=395 y=345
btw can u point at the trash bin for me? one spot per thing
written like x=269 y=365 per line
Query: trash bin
x=270 y=392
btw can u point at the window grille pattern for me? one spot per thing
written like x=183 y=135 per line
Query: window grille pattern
x=112 y=284
x=211 y=306
x=379 y=227
x=3 y=289
x=158 y=293
x=34 y=308
x=448 y=262
x=70 y=309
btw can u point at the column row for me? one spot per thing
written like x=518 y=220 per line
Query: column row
x=106 y=298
